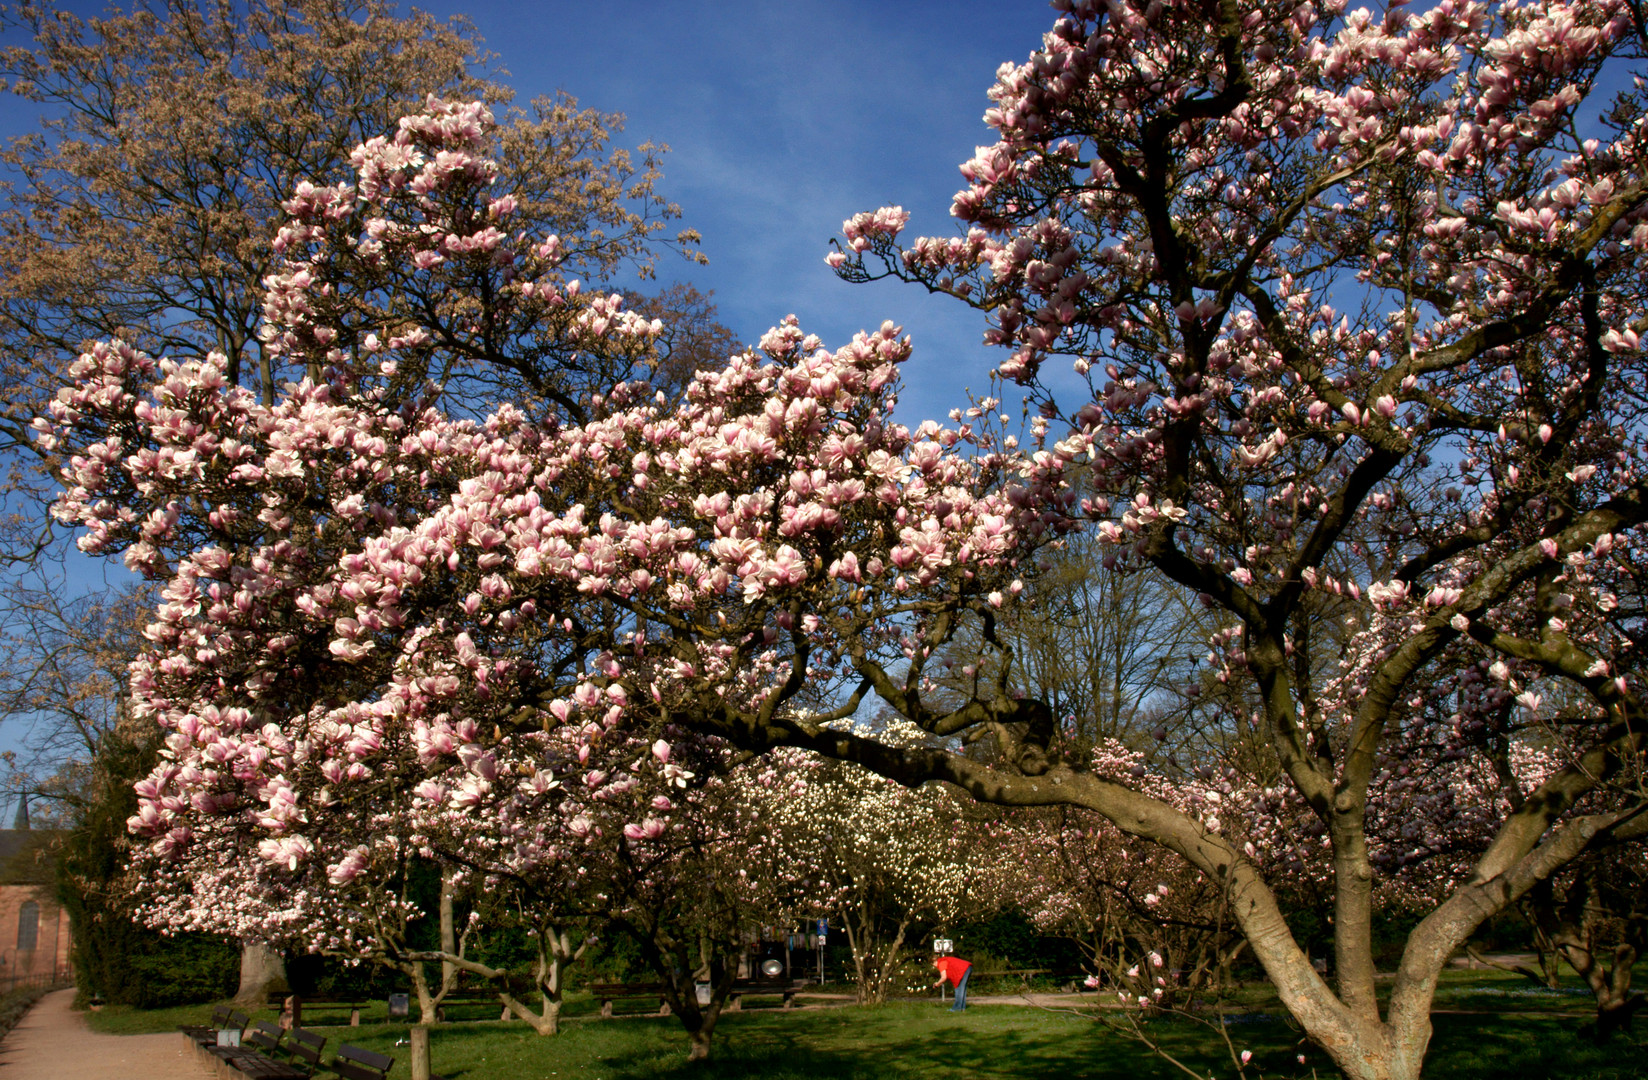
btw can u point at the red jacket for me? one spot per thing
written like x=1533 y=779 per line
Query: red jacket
x=952 y=968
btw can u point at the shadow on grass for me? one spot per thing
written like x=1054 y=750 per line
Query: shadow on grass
x=846 y=1045
x=1504 y=1049
x=1011 y=1054
x=986 y=1043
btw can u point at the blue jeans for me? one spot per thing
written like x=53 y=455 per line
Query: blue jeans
x=961 y=992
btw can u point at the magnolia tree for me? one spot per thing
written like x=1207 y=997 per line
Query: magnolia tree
x=1152 y=926
x=279 y=550
x=147 y=204
x=632 y=840
x=384 y=872
x=1354 y=295
x=693 y=882
x=398 y=919
x=876 y=856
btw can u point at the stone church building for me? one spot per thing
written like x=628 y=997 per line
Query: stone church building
x=34 y=931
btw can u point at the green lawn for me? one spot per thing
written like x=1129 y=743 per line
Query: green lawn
x=920 y=1040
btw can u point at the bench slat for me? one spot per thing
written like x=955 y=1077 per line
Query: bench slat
x=306 y=1045
x=264 y=1035
x=358 y=1064
x=255 y=1066
x=262 y=1068
x=366 y=1057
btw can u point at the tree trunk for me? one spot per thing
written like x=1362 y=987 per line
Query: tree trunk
x=886 y=963
x=547 y=1022
x=1614 y=1015
x=262 y=972
x=1611 y=988
x=420 y=1053
x=449 y=935
x=1359 y=1043
x=1228 y=958
x=682 y=992
x=427 y=1002
x=1569 y=927
x=699 y=1020
x=856 y=941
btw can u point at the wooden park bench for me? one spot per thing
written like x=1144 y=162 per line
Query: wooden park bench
x=354 y=1063
x=296 y=1010
x=247 y=1061
x=252 y=1065
x=762 y=986
x=238 y=1021
x=292 y=1007
x=607 y=993
x=264 y=1036
x=223 y=1019
x=207 y=1033
x=306 y=1047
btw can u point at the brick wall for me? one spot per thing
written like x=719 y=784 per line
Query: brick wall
x=51 y=951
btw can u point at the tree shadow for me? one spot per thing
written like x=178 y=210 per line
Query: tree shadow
x=960 y=1048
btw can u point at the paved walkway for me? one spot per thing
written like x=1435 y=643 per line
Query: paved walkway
x=53 y=1043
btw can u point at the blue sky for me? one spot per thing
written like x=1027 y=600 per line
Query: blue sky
x=783 y=119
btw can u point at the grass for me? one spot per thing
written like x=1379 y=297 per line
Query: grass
x=126 y=1020
x=1504 y=1029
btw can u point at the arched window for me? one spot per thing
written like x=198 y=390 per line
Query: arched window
x=28 y=926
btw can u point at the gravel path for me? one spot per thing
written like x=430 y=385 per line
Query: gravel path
x=54 y=1043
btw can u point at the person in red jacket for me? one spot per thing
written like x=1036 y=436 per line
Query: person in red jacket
x=954 y=970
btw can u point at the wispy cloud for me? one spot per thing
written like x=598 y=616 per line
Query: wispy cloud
x=784 y=119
